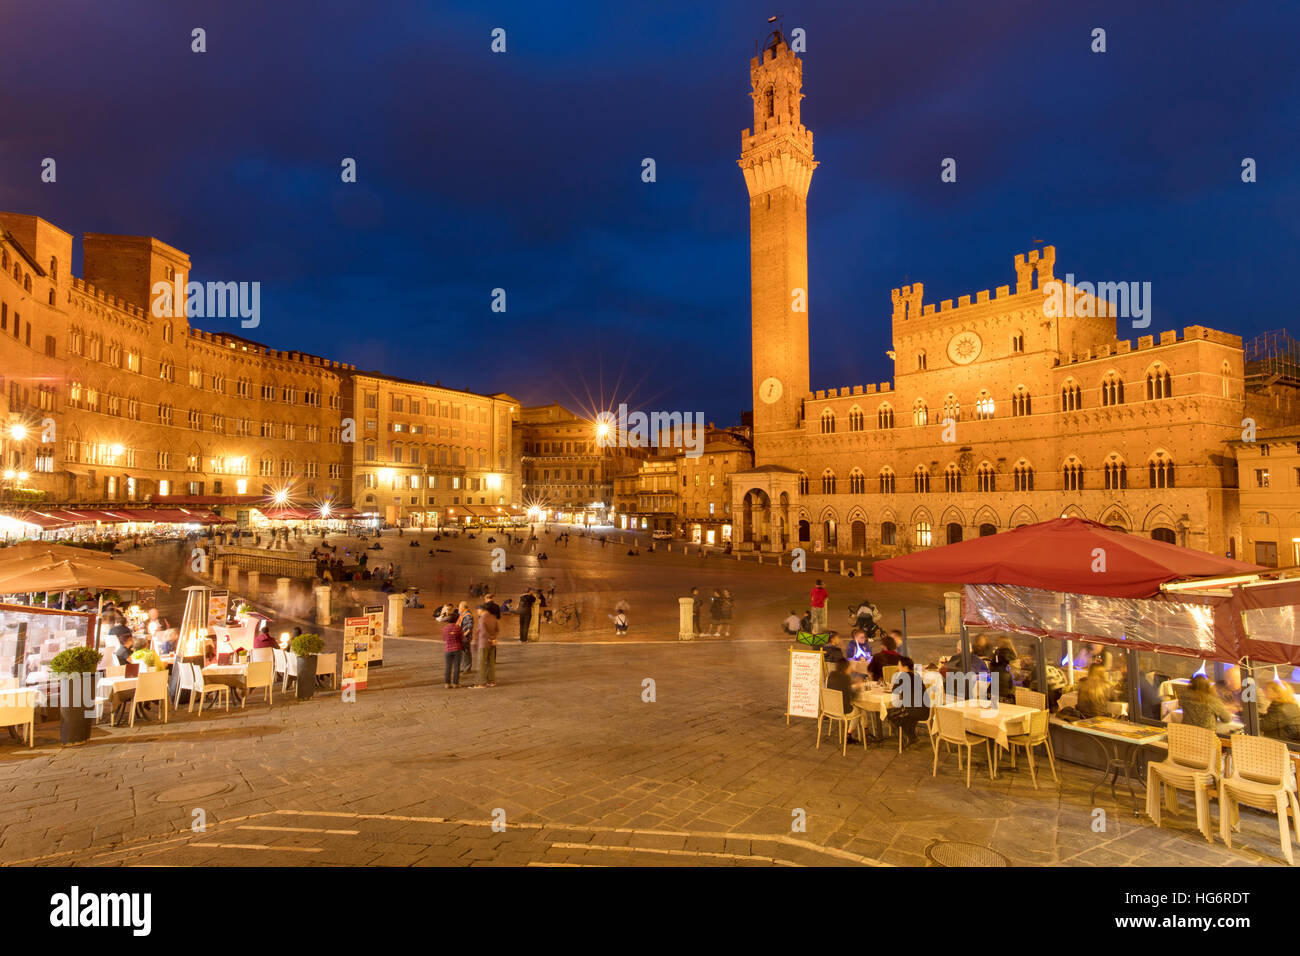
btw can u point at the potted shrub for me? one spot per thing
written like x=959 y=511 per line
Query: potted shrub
x=149 y=657
x=75 y=668
x=306 y=647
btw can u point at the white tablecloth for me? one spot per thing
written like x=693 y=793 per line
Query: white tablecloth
x=873 y=699
x=998 y=722
x=108 y=686
x=230 y=670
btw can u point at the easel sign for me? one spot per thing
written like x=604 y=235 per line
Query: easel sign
x=376 y=615
x=356 y=651
x=804 y=687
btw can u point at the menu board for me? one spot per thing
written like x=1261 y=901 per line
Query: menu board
x=804 y=688
x=376 y=615
x=218 y=607
x=357 y=635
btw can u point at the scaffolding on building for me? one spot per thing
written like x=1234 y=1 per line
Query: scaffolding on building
x=1272 y=357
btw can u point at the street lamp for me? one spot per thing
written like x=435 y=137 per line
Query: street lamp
x=17 y=432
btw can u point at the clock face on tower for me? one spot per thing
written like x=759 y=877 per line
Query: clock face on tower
x=964 y=348
x=770 y=390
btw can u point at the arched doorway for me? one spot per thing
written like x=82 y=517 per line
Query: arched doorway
x=988 y=530
x=1164 y=534
x=954 y=532
x=888 y=534
x=755 y=518
x=858 y=536
x=805 y=530
x=829 y=542
x=1232 y=547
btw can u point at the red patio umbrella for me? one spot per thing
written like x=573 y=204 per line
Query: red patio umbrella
x=1070 y=555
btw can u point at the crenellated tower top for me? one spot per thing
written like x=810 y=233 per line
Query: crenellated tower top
x=778 y=150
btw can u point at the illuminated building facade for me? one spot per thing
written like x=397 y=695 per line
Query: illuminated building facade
x=105 y=403
x=426 y=455
x=1000 y=413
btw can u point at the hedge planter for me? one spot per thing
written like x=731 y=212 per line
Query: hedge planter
x=306 y=677
x=75 y=670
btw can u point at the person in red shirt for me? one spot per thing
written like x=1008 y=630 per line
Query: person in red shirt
x=817 y=601
x=453 y=642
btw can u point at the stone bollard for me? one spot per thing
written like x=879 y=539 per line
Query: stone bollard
x=394 y=625
x=322 y=604
x=841 y=567
x=254 y=584
x=232 y=573
x=778 y=561
x=670 y=547
x=826 y=565
x=737 y=555
x=686 y=619
x=760 y=557
x=217 y=568
x=282 y=591
x=859 y=569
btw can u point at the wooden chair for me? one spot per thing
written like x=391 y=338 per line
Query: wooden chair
x=260 y=654
x=117 y=670
x=1262 y=778
x=201 y=690
x=149 y=687
x=1193 y=764
x=952 y=730
x=887 y=674
x=1037 y=734
x=18 y=709
x=260 y=674
x=1030 y=698
x=832 y=709
x=327 y=665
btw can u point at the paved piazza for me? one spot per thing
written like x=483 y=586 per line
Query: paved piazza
x=584 y=771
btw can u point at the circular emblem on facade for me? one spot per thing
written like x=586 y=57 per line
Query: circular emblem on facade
x=964 y=348
x=770 y=390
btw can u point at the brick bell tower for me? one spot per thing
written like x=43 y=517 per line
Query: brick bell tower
x=776 y=157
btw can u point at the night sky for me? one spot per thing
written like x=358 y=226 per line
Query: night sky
x=522 y=170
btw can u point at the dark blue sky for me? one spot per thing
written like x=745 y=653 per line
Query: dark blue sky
x=522 y=170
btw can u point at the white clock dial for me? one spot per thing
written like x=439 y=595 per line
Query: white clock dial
x=770 y=390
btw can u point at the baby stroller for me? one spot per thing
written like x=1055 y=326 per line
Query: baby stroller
x=866 y=615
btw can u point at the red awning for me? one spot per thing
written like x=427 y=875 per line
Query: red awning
x=43 y=520
x=1070 y=555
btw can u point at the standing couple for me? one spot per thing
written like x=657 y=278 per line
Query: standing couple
x=481 y=626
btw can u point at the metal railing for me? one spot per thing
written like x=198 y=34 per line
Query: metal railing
x=277 y=563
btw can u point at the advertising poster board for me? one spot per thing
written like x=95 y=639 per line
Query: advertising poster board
x=804 y=687
x=376 y=615
x=357 y=632
x=218 y=607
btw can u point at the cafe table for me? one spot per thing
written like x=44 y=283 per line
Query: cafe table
x=234 y=676
x=992 y=718
x=1121 y=741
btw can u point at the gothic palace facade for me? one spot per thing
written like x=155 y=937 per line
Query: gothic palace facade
x=998 y=416
x=103 y=403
